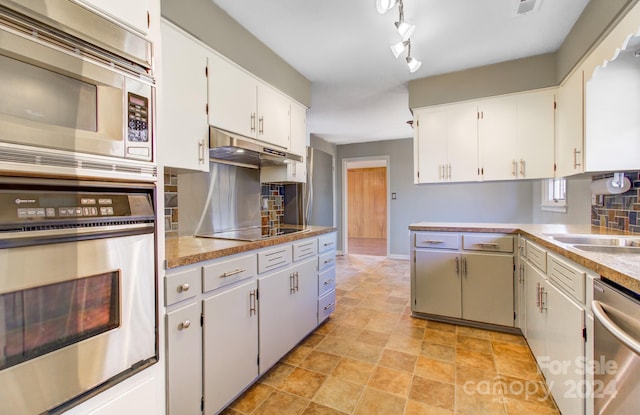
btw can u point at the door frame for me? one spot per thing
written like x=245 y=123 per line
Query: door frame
x=344 y=234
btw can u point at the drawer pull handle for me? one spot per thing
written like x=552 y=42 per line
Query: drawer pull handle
x=231 y=273
x=328 y=306
x=488 y=245
x=328 y=243
x=327 y=282
x=184 y=287
x=184 y=325
x=327 y=261
x=433 y=242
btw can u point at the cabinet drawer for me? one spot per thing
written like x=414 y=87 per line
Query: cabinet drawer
x=437 y=240
x=326 y=281
x=305 y=249
x=327 y=242
x=225 y=272
x=326 y=305
x=567 y=277
x=537 y=256
x=274 y=258
x=326 y=260
x=181 y=286
x=487 y=242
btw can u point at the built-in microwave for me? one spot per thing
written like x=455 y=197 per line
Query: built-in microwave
x=66 y=96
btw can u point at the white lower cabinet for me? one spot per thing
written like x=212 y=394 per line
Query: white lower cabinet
x=556 y=330
x=230 y=334
x=450 y=282
x=287 y=310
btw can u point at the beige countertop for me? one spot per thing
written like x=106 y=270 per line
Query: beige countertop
x=187 y=250
x=623 y=269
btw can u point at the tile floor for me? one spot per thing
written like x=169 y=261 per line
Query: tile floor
x=372 y=357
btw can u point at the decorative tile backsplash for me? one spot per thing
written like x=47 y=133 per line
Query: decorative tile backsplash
x=170 y=203
x=271 y=208
x=621 y=212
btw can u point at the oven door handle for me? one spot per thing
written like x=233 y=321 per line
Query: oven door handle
x=616 y=331
x=31 y=238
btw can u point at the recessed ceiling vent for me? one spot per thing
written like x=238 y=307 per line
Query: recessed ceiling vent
x=525 y=6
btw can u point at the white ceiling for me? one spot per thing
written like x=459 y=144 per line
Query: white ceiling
x=359 y=90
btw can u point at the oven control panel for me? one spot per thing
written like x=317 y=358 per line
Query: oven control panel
x=16 y=207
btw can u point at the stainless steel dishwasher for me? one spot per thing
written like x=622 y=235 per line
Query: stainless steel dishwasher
x=616 y=387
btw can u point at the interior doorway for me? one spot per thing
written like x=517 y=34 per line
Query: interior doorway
x=366 y=206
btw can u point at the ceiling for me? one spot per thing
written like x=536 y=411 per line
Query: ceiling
x=359 y=91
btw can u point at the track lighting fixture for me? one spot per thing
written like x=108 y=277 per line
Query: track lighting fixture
x=404 y=29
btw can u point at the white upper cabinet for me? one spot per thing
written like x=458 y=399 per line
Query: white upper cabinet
x=569 y=142
x=184 y=130
x=446 y=144
x=299 y=136
x=497 y=130
x=240 y=103
x=133 y=14
x=535 y=134
x=233 y=98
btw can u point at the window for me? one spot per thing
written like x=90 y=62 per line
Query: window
x=554 y=195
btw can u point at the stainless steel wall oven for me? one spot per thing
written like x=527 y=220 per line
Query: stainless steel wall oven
x=78 y=309
x=77 y=93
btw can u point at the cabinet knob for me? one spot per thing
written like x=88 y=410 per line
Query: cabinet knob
x=184 y=325
x=184 y=287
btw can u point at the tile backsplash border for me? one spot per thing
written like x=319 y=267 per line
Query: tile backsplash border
x=618 y=212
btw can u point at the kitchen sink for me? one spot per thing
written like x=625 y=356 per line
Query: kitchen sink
x=596 y=243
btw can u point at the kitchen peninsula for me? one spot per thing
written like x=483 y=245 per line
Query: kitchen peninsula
x=254 y=302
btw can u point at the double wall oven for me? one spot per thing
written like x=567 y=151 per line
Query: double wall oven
x=78 y=295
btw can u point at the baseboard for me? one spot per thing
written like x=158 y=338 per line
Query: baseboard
x=396 y=256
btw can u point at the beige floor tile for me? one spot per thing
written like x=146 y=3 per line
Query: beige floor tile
x=408 y=331
x=435 y=370
x=281 y=403
x=413 y=321
x=312 y=340
x=277 y=374
x=346 y=330
x=381 y=326
x=325 y=328
x=431 y=392
x=472 y=379
x=374 y=402
x=252 y=398
x=473 y=343
x=473 y=332
x=339 y=394
x=297 y=355
x=390 y=380
x=230 y=411
x=405 y=344
x=420 y=408
x=530 y=391
x=302 y=382
x=317 y=409
x=364 y=352
x=470 y=358
x=319 y=361
x=523 y=369
x=518 y=407
x=475 y=403
x=506 y=337
x=437 y=325
x=335 y=345
x=438 y=351
x=398 y=360
x=439 y=337
x=355 y=371
x=375 y=338
x=511 y=350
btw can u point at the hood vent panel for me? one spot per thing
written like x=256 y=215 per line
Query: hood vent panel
x=235 y=149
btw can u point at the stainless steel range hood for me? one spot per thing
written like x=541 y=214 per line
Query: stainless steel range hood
x=230 y=148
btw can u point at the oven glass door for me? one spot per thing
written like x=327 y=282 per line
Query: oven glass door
x=74 y=316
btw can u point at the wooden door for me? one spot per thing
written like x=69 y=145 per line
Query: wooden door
x=367 y=202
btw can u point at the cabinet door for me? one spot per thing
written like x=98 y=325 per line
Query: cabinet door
x=277 y=316
x=570 y=139
x=184 y=360
x=565 y=345
x=535 y=317
x=462 y=143
x=299 y=138
x=437 y=283
x=535 y=134
x=185 y=130
x=430 y=145
x=230 y=344
x=232 y=98
x=487 y=288
x=274 y=122
x=133 y=14
x=497 y=138
x=305 y=315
